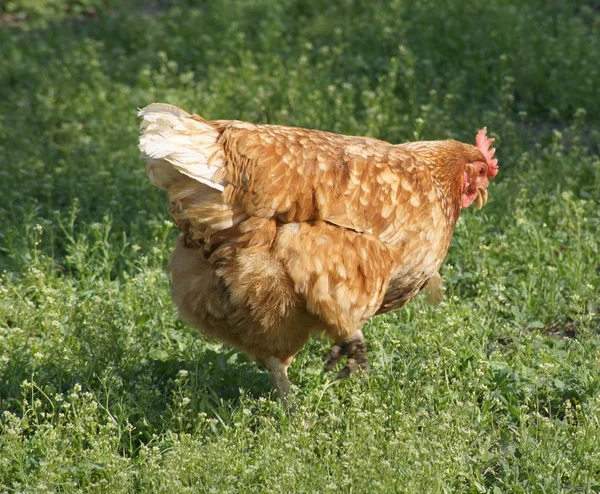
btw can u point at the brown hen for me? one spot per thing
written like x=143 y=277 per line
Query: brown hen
x=288 y=231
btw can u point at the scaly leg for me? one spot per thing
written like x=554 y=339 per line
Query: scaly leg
x=354 y=347
x=278 y=371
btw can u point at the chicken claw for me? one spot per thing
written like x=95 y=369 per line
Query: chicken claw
x=355 y=349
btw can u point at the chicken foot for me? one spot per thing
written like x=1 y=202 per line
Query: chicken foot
x=354 y=348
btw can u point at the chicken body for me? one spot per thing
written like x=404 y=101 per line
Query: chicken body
x=289 y=231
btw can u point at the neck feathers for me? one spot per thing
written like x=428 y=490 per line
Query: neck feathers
x=446 y=162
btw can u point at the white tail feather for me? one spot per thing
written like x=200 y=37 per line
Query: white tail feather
x=173 y=142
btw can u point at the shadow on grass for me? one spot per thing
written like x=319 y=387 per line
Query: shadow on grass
x=152 y=396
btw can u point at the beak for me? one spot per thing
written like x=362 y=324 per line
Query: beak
x=482 y=198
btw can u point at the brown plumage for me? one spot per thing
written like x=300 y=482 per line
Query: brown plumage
x=288 y=231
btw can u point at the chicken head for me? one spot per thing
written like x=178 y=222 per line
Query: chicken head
x=477 y=174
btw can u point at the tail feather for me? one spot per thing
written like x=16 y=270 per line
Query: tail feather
x=151 y=112
x=173 y=142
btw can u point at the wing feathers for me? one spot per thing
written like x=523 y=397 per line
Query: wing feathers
x=293 y=174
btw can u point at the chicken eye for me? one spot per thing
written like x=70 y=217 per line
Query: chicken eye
x=482 y=171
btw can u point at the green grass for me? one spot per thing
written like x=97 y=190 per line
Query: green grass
x=103 y=389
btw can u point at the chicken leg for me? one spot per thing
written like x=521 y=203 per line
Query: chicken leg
x=278 y=371
x=354 y=348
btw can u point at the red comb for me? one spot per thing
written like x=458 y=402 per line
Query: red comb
x=483 y=143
